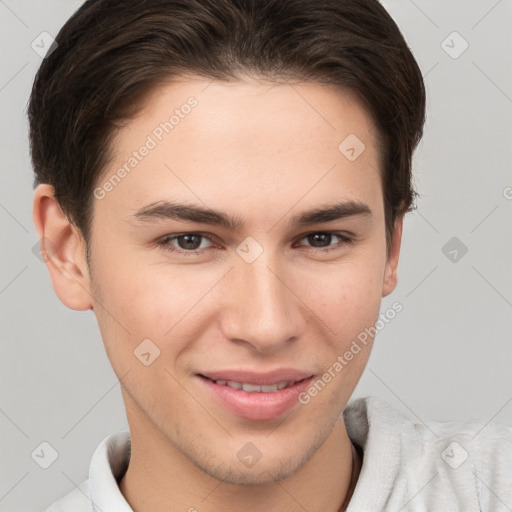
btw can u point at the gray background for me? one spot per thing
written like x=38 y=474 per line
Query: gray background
x=445 y=357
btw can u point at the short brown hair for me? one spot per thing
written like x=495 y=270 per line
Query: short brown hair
x=111 y=54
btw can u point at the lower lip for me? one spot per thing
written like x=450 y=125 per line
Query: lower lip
x=256 y=406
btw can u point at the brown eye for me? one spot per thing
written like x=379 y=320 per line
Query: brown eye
x=323 y=240
x=192 y=243
x=189 y=241
x=320 y=239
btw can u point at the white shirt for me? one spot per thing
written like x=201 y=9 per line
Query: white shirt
x=408 y=467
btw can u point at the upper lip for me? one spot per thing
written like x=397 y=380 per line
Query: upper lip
x=259 y=378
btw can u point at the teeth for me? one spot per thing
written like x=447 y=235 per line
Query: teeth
x=251 y=388
x=254 y=388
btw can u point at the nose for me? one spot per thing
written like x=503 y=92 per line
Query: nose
x=260 y=306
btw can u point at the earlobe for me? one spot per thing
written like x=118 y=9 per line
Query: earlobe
x=63 y=250
x=390 y=272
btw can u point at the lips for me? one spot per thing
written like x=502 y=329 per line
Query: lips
x=258 y=378
x=256 y=396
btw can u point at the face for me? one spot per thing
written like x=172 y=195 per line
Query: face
x=258 y=281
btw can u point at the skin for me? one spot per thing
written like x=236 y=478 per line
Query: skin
x=261 y=152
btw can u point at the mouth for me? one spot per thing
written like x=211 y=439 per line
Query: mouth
x=256 y=397
x=254 y=388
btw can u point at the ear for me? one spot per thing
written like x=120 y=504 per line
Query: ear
x=390 y=271
x=63 y=250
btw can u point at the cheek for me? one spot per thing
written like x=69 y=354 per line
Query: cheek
x=155 y=300
x=346 y=297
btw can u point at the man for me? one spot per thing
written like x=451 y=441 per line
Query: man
x=224 y=183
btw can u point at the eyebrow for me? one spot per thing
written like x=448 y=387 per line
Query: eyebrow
x=166 y=210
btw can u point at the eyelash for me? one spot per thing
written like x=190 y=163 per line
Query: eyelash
x=165 y=242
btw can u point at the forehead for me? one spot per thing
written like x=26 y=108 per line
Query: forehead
x=237 y=142
x=255 y=107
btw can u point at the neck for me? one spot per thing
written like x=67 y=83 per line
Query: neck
x=160 y=478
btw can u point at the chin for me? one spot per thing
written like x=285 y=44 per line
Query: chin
x=251 y=476
x=266 y=470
